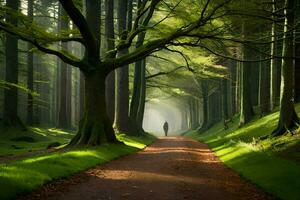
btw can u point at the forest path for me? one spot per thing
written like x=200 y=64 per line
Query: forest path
x=174 y=168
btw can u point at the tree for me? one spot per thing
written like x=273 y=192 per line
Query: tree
x=63 y=118
x=95 y=127
x=297 y=52
x=10 y=113
x=110 y=45
x=275 y=67
x=288 y=118
x=30 y=70
x=246 y=112
x=122 y=76
x=139 y=85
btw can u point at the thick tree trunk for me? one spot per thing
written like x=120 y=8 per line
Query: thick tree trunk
x=288 y=119
x=95 y=127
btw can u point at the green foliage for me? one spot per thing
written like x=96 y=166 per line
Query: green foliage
x=270 y=163
x=6 y=85
x=20 y=177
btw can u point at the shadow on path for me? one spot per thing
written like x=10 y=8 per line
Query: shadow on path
x=172 y=168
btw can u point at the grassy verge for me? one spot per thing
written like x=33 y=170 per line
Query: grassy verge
x=14 y=141
x=272 y=164
x=23 y=176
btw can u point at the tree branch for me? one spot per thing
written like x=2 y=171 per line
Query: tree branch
x=79 y=20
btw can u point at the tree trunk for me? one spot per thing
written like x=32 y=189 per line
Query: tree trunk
x=110 y=44
x=10 y=112
x=224 y=83
x=30 y=71
x=297 y=53
x=141 y=110
x=264 y=86
x=69 y=89
x=288 y=119
x=122 y=78
x=245 y=84
x=204 y=88
x=238 y=88
x=62 y=121
x=274 y=87
x=95 y=127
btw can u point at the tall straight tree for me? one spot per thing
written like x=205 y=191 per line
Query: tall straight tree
x=275 y=67
x=246 y=112
x=297 y=52
x=63 y=117
x=204 y=91
x=137 y=105
x=30 y=70
x=288 y=118
x=10 y=112
x=122 y=76
x=110 y=45
x=264 y=85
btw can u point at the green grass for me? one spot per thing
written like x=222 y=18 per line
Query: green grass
x=272 y=164
x=20 y=177
x=42 y=138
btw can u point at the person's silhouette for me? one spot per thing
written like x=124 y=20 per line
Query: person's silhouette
x=166 y=128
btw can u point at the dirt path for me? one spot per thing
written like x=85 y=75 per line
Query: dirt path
x=173 y=168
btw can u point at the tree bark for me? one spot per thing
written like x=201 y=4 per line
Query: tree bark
x=264 y=86
x=297 y=53
x=142 y=99
x=62 y=121
x=288 y=119
x=122 y=77
x=274 y=79
x=204 y=89
x=95 y=127
x=224 y=86
x=10 y=112
x=246 y=112
x=30 y=71
x=110 y=44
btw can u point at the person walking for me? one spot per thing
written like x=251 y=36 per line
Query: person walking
x=166 y=128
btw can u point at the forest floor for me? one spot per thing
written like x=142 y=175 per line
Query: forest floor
x=171 y=168
x=273 y=163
